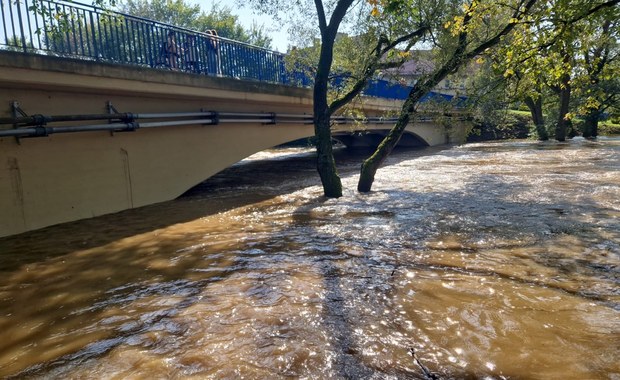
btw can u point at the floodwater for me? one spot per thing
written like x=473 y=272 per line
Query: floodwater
x=488 y=261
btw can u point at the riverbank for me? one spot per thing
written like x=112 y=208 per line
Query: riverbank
x=518 y=125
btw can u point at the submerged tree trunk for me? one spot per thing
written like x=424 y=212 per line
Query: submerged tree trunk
x=422 y=87
x=326 y=164
x=562 y=125
x=535 y=107
x=372 y=163
x=590 y=127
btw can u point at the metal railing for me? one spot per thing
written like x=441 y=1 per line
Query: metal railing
x=69 y=29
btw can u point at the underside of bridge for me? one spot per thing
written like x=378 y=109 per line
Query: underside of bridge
x=372 y=139
x=64 y=175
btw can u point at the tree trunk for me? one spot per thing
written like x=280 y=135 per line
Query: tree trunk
x=563 y=124
x=535 y=107
x=590 y=127
x=372 y=163
x=423 y=87
x=326 y=165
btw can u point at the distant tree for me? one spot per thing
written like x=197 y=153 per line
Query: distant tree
x=597 y=73
x=569 y=52
x=190 y=16
x=176 y=12
x=15 y=43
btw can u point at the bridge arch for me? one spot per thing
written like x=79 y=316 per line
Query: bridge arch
x=373 y=137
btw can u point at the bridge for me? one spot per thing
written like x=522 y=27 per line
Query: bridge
x=82 y=136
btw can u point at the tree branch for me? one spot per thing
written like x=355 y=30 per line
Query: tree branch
x=341 y=10
x=374 y=65
x=607 y=4
x=321 y=15
x=518 y=14
x=421 y=31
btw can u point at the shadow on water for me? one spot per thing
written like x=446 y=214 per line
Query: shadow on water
x=242 y=184
x=56 y=273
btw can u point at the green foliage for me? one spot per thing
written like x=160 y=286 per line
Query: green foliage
x=175 y=12
x=16 y=44
x=501 y=125
x=568 y=47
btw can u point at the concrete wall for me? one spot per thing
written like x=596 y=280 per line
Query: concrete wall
x=65 y=177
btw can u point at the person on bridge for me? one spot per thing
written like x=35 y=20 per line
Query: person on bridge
x=172 y=51
x=191 y=54
x=213 y=45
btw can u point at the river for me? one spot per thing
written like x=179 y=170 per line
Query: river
x=491 y=260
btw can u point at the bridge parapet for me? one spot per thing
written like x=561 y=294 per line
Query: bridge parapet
x=68 y=29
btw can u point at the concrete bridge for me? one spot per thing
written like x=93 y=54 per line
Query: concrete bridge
x=177 y=130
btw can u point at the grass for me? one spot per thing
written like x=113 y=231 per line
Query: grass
x=520 y=113
x=608 y=128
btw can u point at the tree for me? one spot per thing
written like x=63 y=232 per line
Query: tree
x=477 y=27
x=379 y=39
x=468 y=31
x=175 y=12
x=524 y=63
x=566 y=51
x=574 y=18
x=597 y=76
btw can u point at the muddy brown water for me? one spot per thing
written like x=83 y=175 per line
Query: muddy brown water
x=489 y=260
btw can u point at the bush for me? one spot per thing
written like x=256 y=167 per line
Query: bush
x=604 y=127
x=509 y=125
x=607 y=129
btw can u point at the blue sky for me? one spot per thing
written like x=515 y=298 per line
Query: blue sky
x=246 y=15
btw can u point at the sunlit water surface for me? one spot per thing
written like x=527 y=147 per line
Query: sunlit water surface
x=491 y=260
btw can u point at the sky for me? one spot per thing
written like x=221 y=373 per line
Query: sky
x=247 y=15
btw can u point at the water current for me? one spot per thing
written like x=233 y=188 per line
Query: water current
x=482 y=261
